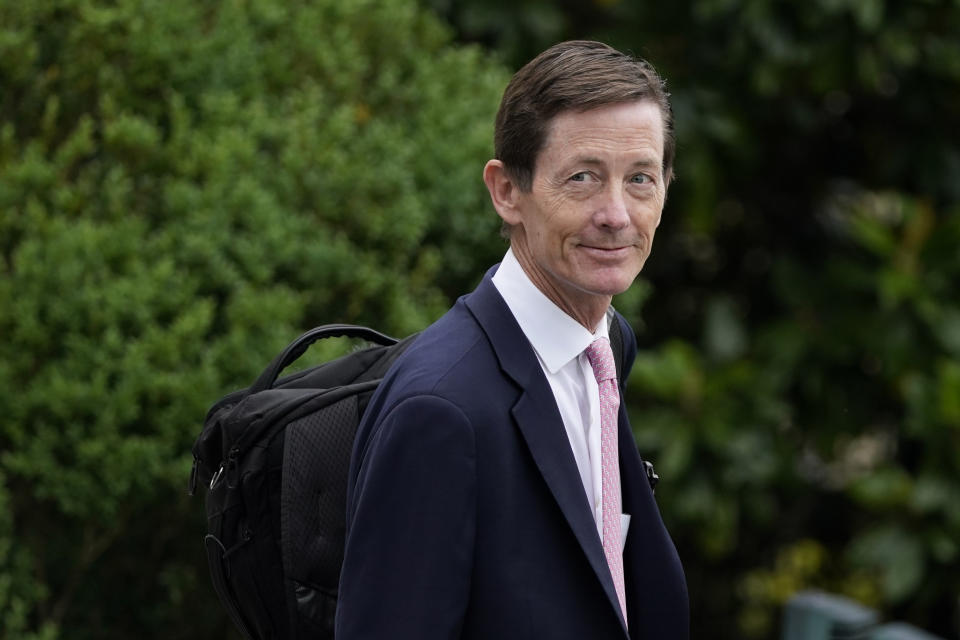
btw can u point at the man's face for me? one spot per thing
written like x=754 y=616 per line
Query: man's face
x=586 y=227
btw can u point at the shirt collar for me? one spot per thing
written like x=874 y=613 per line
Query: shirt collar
x=556 y=337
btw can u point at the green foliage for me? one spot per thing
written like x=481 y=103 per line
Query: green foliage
x=835 y=422
x=184 y=187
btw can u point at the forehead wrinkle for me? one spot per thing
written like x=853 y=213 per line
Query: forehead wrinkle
x=594 y=146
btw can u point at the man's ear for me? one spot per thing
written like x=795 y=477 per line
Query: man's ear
x=504 y=192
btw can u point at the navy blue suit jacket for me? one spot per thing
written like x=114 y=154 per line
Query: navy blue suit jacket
x=466 y=515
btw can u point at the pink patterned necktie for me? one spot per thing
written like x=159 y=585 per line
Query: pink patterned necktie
x=601 y=359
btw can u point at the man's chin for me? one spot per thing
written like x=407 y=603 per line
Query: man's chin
x=611 y=284
x=606 y=289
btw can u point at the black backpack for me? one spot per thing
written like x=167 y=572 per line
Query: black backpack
x=276 y=457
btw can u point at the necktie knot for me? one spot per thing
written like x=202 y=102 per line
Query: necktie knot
x=600 y=356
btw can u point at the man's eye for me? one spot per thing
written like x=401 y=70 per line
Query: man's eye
x=640 y=178
x=579 y=177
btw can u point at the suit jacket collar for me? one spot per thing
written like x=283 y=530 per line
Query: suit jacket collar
x=540 y=423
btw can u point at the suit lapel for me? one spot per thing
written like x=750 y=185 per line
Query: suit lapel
x=540 y=423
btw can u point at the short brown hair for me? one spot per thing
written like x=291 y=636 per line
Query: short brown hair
x=577 y=75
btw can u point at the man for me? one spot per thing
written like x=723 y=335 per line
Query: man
x=495 y=489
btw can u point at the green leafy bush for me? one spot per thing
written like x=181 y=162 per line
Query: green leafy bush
x=821 y=448
x=184 y=187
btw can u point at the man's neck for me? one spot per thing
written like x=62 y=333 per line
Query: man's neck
x=586 y=308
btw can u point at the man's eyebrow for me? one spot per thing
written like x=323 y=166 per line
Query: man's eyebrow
x=642 y=163
x=646 y=163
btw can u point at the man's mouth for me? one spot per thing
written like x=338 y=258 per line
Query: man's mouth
x=605 y=251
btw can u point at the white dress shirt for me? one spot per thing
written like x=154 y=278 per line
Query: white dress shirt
x=558 y=341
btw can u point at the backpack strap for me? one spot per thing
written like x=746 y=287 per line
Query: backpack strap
x=299 y=346
x=616 y=341
x=616 y=345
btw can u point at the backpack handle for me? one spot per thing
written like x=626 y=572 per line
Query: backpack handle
x=299 y=346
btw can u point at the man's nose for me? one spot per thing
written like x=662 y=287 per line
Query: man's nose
x=612 y=210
